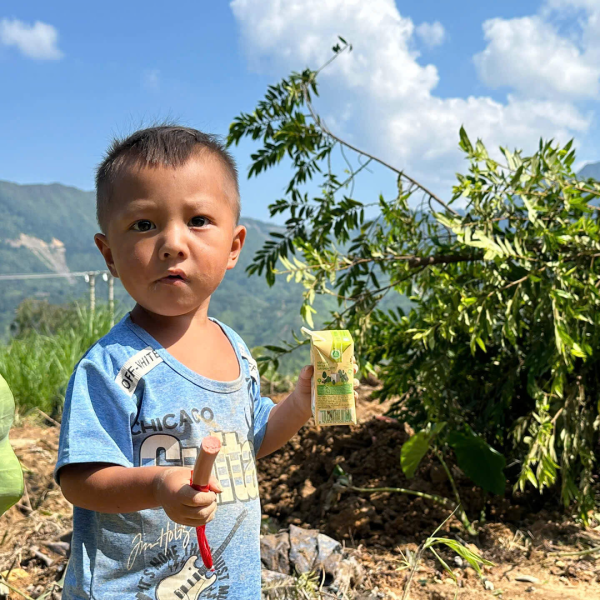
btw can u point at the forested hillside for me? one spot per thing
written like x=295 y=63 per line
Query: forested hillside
x=50 y=228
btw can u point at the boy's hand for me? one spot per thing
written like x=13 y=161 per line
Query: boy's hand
x=181 y=502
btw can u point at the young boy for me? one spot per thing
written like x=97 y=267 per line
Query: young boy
x=143 y=397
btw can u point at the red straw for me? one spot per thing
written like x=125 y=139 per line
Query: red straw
x=201 y=533
x=199 y=481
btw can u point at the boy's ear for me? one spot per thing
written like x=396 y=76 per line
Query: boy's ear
x=239 y=237
x=106 y=252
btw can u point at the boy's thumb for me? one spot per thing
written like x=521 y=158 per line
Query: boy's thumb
x=306 y=372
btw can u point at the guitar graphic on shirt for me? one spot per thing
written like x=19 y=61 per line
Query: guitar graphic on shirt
x=191 y=581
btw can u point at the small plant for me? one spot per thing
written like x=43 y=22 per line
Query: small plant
x=475 y=457
x=344 y=483
x=412 y=561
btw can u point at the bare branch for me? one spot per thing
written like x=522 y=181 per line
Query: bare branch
x=328 y=132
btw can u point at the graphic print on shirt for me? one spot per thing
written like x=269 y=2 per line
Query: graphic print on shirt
x=136 y=367
x=189 y=579
x=253 y=367
x=234 y=467
x=177 y=570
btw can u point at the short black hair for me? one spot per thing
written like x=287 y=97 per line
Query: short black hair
x=163 y=145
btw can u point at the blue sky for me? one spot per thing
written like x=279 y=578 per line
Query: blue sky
x=75 y=74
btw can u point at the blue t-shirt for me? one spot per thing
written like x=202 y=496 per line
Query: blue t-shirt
x=131 y=403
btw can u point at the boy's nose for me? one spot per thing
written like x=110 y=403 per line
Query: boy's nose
x=173 y=243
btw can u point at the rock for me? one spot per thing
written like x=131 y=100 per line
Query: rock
x=4 y=592
x=330 y=567
x=488 y=585
x=458 y=561
x=302 y=551
x=275 y=585
x=526 y=579
x=303 y=548
x=274 y=552
x=348 y=572
x=326 y=547
x=329 y=557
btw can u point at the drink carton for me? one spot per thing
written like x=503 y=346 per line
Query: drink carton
x=332 y=394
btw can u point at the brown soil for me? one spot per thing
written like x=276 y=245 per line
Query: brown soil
x=522 y=537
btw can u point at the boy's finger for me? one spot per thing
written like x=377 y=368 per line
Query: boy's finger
x=214 y=485
x=206 y=514
x=192 y=497
x=197 y=512
x=355 y=383
x=355 y=396
x=355 y=365
x=195 y=518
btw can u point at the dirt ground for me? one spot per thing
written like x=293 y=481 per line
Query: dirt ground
x=537 y=552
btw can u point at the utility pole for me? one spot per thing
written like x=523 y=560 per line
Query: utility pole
x=111 y=296
x=90 y=278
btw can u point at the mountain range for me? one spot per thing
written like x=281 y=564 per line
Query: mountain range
x=50 y=229
x=591 y=170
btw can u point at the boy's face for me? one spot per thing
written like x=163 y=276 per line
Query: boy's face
x=172 y=219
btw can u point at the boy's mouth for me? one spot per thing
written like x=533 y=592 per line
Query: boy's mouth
x=173 y=276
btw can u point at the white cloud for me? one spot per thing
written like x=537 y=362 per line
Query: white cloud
x=151 y=79
x=433 y=34
x=529 y=55
x=395 y=111
x=39 y=41
x=572 y=4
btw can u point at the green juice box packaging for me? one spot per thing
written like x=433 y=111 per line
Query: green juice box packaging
x=332 y=395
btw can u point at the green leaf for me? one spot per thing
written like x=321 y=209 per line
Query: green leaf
x=416 y=447
x=465 y=143
x=474 y=559
x=11 y=475
x=413 y=451
x=479 y=461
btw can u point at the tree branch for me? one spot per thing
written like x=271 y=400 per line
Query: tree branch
x=323 y=127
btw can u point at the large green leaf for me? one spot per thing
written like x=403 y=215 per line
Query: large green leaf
x=479 y=461
x=413 y=450
x=416 y=447
x=11 y=476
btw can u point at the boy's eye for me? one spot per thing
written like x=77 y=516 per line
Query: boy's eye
x=142 y=225
x=199 y=221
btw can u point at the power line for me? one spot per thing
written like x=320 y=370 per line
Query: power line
x=47 y=275
x=88 y=276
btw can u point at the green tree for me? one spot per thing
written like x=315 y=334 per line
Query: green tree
x=501 y=341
